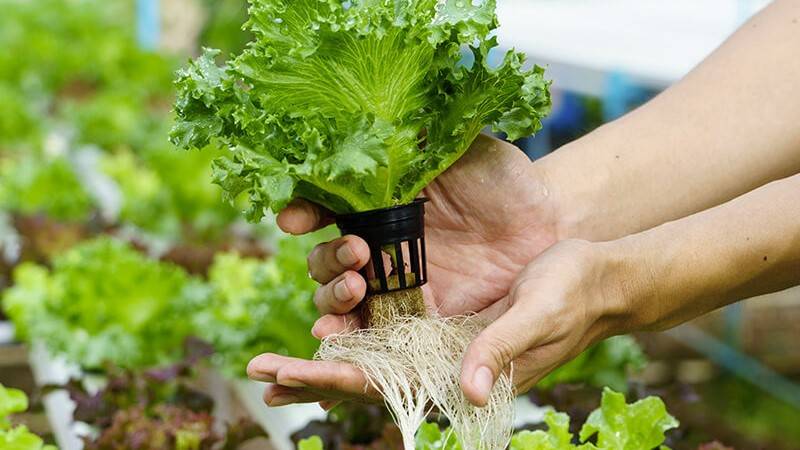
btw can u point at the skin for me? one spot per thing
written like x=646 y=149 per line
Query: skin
x=685 y=205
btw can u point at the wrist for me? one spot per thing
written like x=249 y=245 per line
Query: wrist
x=578 y=185
x=629 y=285
x=606 y=284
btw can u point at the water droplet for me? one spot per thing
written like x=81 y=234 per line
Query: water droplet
x=278 y=20
x=459 y=4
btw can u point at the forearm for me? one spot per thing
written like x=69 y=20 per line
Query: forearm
x=683 y=269
x=727 y=128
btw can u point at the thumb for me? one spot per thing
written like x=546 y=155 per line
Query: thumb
x=492 y=351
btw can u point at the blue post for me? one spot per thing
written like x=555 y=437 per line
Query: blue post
x=148 y=23
x=621 y=95
x=733 y=322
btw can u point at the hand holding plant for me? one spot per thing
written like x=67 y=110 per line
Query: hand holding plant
x=476 y=248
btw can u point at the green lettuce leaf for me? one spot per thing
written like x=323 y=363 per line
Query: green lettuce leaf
x=431 y=437
x=312 y=443
x=615 y=425
x=104 y=302
x=16 y=437
x=557 y=436
x=11 y=401
x=621 y=426
x=354 y=105
x=34 y=183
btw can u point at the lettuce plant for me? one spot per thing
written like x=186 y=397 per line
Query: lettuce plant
x=355 y=104
x=614 y=425
x=103 y=302
x=35 y=183
x=16 y=437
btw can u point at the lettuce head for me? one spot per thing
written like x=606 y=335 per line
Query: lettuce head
x=356 y=104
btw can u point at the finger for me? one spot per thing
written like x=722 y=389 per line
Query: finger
x=495 y=310
x=340 y=295
x=331 y=259
x=277 y=395
x=493 y=350
x=265 y=367
x=302 y=216
x=341 y=379
x=335 y=324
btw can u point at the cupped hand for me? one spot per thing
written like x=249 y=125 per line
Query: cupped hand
x=489 y=215
x=571 y=296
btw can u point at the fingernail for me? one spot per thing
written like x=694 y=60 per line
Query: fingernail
x=315 y=330
x=483 y=380
x=254 y=373
x=342 y=292
x=263 y=377
x=291 y=383
x=283 y=400
x=345 y=255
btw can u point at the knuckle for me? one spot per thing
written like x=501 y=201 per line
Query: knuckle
x=504 y=352
x=331 y=384
x=499 y=349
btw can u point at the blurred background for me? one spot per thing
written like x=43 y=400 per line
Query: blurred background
x=98 y=209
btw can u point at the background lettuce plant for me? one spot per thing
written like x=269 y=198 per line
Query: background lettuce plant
x=103 y=302
x=16 y=437
x=257 y=306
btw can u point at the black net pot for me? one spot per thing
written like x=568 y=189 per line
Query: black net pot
x=396 y=239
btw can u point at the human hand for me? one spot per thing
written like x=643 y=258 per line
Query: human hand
x=571 y=296
x=488 y=216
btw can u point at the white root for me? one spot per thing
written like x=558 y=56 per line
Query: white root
x=415 y=364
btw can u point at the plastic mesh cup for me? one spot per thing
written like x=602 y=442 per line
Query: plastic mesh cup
x=396 y=239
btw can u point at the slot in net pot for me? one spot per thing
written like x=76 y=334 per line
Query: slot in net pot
x=396 y=239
